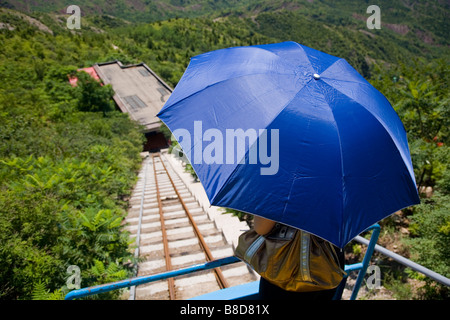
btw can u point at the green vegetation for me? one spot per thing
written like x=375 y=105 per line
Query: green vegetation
x=68 y=159
x=67 y=163
x=420 y=95
x=167 y=46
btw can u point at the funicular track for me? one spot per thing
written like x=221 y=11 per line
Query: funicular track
x=173 y=231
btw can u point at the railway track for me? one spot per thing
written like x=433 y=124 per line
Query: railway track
x=174 y=232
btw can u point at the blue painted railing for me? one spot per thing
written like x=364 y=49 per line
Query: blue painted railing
x=361 y=267
x=83 y=292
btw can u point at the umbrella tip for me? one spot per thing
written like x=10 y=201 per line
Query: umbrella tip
x=316 y=76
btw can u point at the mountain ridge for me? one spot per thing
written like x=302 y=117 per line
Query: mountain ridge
x=420 y=15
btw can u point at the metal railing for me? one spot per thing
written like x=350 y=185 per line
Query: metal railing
x=84 y=292
x=408 y=263
x=361 y=267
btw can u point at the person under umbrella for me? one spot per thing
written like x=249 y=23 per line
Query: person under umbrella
x=293 y=135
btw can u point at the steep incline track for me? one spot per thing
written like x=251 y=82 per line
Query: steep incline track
x=175 y=232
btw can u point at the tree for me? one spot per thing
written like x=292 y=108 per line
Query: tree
x=92 y=96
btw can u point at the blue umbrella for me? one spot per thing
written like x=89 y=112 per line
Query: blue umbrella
x=292 y=134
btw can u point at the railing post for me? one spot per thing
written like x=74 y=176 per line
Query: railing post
x=366 y=260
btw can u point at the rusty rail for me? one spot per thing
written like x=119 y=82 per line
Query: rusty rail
x=208 y=254
x=171 y=282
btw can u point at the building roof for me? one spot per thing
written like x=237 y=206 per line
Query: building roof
x=138 y=91
x=74 y=80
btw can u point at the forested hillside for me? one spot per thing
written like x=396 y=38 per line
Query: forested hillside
x=65 y=169
x=68 y=159
x=419 y=18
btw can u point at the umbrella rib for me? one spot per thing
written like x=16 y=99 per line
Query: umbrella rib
x=341 y=156
x=212 y=85
x=231 y=115
x=303 y=50
x=279 y=57
x=268 y=125
x=307 y=57
x=362 y=80
x=288 y=197
x=342 y=168
x=340 y=144
x=391 y=136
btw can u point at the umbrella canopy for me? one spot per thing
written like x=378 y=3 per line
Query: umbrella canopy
x=292 y=134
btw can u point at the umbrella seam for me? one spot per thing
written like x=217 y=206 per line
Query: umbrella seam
x=254 y=47
x=262 y=95
x=366 y=83
x=268 y=125
x=342 y=174
x=212 y=85
x=342 y=60
x=288 y=197
x=340 y=146
x=342 y=160
x=256 y=140
x=338 y=59
x=381 y=123
x=280 y=57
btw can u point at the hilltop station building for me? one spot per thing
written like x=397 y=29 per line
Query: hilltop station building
x=138 y=92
